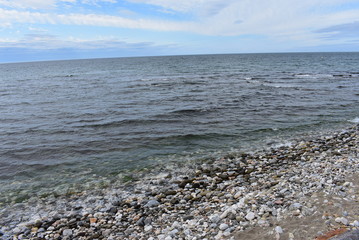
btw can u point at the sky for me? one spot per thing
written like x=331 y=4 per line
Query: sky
x=34 y=30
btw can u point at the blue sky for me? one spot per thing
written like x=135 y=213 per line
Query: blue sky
x=32 y=30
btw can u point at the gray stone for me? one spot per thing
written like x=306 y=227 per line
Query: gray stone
x=215 y=218
x=223 y=226
x=152 y=203
x=67 y=232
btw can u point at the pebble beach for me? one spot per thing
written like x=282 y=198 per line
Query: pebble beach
x=302 y=190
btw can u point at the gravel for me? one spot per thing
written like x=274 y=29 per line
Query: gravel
x=225 y=198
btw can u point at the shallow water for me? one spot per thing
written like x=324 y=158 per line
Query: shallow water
x=67 y=123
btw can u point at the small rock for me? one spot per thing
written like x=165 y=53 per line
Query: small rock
x=223 y=226
x=250 y=216
x=342 y=220
x=173 y=232
x=152 y=203
x=278 y=230
x=93 y=220
x=214 y=218
x=67 y=232
x=148 y=228
x=141 y=222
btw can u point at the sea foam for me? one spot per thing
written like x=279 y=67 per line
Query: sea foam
x=355 y=120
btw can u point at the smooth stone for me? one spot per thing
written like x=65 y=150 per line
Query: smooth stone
x=67 y=232
x=152 y=203
x=250 y=216
x=215 y=218
x=148 y=228
x=173 y=232
x=223 y=226
x=342 y=220
x=278 y=229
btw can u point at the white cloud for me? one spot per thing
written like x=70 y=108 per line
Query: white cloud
x=15 y=16
x=48 y=42
x=95 y=2
x=46 y=4
x=282 y=20
x=33 y=4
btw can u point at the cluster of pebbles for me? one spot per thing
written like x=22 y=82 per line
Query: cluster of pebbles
x=217 y=199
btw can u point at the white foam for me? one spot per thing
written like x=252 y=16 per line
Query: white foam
x=355 y=120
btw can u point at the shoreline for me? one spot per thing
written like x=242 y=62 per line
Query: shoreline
x=291 y=192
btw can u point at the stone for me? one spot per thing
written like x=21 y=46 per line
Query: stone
x=250 y=216
x=278 y=230
x=93 y=220
x=342 y=220
x=223 y=226
x=152 y=203
x=148 y=228
x=215 y=218
x=173 y=232
x=67 y=233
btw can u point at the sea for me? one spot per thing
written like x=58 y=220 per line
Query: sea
x=72 y=125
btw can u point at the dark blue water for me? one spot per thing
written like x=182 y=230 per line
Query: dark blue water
x=65 y=124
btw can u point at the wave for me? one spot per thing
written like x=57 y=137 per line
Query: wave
x=194 y=111
x=128 y=122
x=355 y=120
x=312 y=75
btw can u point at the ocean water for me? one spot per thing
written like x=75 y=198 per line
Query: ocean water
x=67 y=124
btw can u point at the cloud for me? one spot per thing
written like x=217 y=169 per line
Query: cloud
x=201 y=8
x=40 y=47
x=48 y=41
x=296 y=23
x=274 y=18
x=89 y=20
x=47 y=4
x=96 y=2
x=342 y=30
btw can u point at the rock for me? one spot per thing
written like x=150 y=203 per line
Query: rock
x=342 y=220
x=148 y=228
x=106 y=232
x=141 y=222
x=278 y=230
x=250 y=216
x=152 y=203
x=223 y=226
x=295 y=206
x=67 y=233
x=215 y=218
x=93 y=220
x=173 y=232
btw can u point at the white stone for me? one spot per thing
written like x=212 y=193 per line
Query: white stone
x=250 y=216
x=187 y=232
x=67 y=232
x=173 y=232
x=223 y=226
x=278 y=230
x=342 y=220
x=152 y=203
x=148 y=228
x=238 y=195
x=224 y=214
